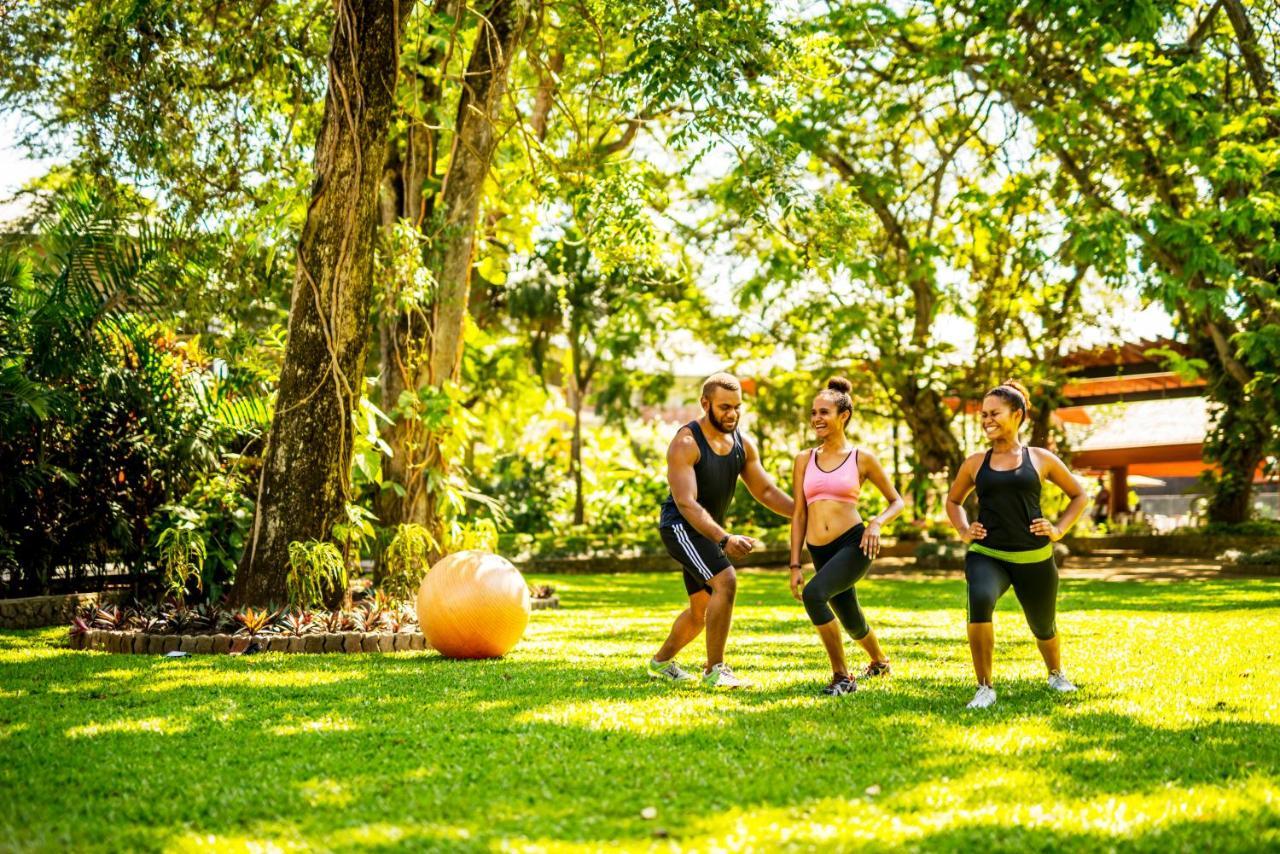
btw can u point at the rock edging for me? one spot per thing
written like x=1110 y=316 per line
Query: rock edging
x=144 y=643
x=36 y=612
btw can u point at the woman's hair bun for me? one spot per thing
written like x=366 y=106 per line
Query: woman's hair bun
x=840 y=384
x=1020 y=389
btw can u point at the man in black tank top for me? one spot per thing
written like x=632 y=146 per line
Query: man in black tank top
x=704 y=462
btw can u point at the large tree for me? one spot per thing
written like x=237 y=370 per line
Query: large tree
x=607 y=318
x=305 y=482
x=913 y=152
x=1164 y=116
x=422 y=335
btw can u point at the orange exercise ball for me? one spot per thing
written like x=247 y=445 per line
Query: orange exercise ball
x=473 y=604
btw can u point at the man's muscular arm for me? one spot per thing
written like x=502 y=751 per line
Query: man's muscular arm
x=761 y=485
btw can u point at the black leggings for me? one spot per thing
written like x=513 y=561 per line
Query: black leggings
x=840 y=564
x=1035 y=585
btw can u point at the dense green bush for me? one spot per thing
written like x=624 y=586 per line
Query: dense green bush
x=1264 y=557
x=97 y=428
x=1252 y=528
x=219 y=512
x=530 y=490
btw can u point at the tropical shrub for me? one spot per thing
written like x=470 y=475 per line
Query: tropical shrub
x=97 y=428
x=182 y=555
x=405 y=561
x=316 y=570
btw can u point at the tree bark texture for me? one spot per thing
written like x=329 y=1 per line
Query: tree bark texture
x=409 y=193
x=431 y=349
x=305 y=478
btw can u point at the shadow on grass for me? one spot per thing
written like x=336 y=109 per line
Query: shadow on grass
x=474 y=752
x=558 y=744
x=664 y=591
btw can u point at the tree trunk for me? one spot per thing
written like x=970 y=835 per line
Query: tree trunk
x=469 y=160
x=305 y=480
x=409 y=193
x=935 y=446
x=1045 y=404
x=1237 y=443
x=439 y=342
x=575 y=462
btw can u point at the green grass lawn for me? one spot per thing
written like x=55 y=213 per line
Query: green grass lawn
x=1172 y=743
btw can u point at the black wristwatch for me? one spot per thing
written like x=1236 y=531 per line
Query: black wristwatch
x=724 y=542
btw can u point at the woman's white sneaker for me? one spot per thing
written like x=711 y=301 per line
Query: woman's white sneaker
x=1058 y=681
x=720 y=676
x=985 y=697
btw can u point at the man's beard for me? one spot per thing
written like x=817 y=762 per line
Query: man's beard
x=716 y=423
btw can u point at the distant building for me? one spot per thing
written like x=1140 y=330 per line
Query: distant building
x=1142 y=427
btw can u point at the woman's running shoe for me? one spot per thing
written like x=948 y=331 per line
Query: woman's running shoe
x=985 y=697
x=875 y=668
x=1058 y=681
x=840 y=685
x=720 y=676
x=669 y=671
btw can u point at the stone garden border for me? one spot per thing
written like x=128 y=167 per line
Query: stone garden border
x=36 y=612
x=143 y=643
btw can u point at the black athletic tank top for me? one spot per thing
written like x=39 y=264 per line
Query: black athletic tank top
x=1007 y=502
x=717 y=477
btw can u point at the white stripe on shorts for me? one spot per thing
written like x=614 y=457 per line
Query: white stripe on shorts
x=683 y=536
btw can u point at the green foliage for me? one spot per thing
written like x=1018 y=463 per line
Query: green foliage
x=531 y=490
x=405 y=561
x=940 y=555
x=182 y=556
x=1252 y=528
x=97 y=427
x=356 y=533
x=218 y=513
x=316 y=569
x=1261 y=557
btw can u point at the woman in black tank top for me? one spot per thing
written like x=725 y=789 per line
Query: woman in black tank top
x=1011 y=544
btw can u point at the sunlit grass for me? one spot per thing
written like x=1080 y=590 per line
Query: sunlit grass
x=1173 y=743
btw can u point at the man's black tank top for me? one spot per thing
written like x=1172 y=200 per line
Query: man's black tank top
x=717 y=477
x=1007 y=502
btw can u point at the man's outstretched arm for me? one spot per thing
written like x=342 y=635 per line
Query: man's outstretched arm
x=761 y=485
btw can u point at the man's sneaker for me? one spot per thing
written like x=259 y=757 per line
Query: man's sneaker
x=875 y=668
x=840 y=685
x=985 y=697
x=669 y=671
x=720 y=676
x=1058 y=681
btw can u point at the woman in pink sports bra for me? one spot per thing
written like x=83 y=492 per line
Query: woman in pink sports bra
x=828 y=480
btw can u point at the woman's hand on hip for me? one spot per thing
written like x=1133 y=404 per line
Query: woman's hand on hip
x=1044 y=528
x=870 y=544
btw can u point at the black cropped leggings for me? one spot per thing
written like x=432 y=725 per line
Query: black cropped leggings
x=1035 y=585
x=829 y=594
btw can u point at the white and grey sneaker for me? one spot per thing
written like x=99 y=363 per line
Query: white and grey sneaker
x=669 y=670
x=985 y=697
x=1058 y=681
x=720 y=676
x=840 y=684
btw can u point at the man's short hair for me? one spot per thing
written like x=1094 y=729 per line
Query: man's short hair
x=728 y=382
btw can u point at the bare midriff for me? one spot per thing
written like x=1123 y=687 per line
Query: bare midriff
x=829 y=519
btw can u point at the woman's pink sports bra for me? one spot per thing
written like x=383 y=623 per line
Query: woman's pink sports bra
x=839 y=484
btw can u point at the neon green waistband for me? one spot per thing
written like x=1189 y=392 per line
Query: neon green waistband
x=1034 y=556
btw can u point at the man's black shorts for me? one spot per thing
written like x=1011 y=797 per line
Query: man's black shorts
x=700 y=557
